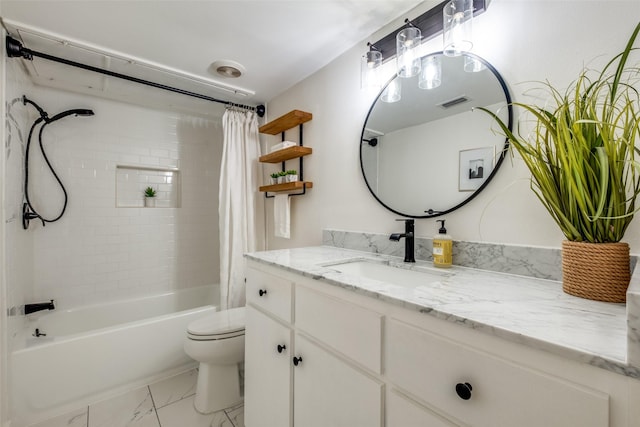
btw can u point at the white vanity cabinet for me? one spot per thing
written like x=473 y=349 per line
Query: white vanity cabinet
x=295 y=379
x=365 y=362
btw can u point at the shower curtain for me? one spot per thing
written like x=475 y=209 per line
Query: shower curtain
x=240 y=206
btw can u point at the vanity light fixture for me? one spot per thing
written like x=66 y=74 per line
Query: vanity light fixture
x=431 y=73
x=457 y=21
x=407 y=42
x=370 y=69
x=430 y=24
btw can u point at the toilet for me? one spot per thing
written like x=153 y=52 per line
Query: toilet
x=217 y=342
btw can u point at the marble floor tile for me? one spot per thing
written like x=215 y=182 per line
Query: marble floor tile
x=77 y=418
x=236 y=415
x=175 y=388
x=133 y=409
x=183 y=414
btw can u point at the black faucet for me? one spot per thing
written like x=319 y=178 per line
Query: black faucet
x=408 y=239
x=32 y=308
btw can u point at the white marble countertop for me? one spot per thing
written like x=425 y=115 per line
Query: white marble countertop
x=529 y=311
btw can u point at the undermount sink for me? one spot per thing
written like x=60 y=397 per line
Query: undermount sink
x=419 y=276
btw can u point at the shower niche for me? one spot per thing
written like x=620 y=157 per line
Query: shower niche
x=132 y=181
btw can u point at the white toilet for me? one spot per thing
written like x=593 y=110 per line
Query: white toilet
x=217 y=342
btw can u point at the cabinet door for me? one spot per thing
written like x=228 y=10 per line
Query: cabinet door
x=330 y=393
x=267 y=371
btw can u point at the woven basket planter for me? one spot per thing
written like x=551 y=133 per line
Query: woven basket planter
x=596 y=271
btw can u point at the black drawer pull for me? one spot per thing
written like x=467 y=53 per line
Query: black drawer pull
x=281 y=348
x=464 y=390
x=297 y=360
x=262 y=292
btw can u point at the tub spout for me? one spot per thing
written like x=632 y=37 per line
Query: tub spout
x=32 y=308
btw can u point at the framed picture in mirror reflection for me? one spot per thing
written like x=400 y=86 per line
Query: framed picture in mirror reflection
x=475 y=165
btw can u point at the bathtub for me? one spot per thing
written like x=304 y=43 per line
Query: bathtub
x=93 y=351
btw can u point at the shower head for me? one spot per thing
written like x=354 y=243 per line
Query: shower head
x=77 y=112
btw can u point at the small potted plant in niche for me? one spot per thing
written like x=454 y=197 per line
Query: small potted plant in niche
x=274 y=178
x=292 y=175
x=149 y=197
x=584 y=169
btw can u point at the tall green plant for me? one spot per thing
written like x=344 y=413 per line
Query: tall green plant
x=582 y=153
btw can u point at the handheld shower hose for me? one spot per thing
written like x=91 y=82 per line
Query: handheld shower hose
x=28 y=211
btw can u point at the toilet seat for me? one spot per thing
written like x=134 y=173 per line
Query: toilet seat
x=219 y=326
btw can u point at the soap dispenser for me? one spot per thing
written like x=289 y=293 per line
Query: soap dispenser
x=442 y=247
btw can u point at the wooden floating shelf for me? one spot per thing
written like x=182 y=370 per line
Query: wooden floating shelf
x=286 y=154
x=287 y=186
x=286 y=122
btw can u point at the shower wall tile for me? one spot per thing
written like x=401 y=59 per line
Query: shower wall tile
x=98 y=251
x=18 y=243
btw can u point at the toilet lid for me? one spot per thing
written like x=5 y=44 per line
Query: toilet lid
x=226 y=322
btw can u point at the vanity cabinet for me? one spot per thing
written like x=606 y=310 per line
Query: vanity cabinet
x=294 y=379
x=362 y=362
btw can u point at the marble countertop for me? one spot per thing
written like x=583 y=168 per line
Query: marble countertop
x=525 y=310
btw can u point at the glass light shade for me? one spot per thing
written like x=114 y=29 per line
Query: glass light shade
x=473 y=65
x=457 y=18
x=392 y=93
x=431 y=73
x=407 y=60
x=370 y=70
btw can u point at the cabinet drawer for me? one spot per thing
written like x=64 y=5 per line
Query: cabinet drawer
x=269 y=292
x=352 y=330
x=503 y=394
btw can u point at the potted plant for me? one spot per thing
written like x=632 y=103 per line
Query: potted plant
x=149 y=197
x=582 y=155
x=282 y=177
x=274 y=178
x=292 y=175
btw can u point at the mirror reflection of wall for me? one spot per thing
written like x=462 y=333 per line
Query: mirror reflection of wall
x=425 y=151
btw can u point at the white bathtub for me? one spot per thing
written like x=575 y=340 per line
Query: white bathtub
x=92 y=351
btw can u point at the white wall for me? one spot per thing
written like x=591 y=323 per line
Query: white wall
x=526 y=41
x=98 y=251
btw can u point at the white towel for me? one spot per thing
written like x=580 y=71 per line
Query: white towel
x=281 y=219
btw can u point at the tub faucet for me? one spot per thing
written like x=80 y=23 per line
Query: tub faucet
x=408 y=239
x=32 y=308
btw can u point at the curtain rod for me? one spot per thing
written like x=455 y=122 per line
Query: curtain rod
x=16 y=49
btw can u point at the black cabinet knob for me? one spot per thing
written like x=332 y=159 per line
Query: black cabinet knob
x=297 y=360
x=262 y=292
x=464 y=390
x=281 y=348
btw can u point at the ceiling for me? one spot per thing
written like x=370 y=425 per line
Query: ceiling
x=278 y=42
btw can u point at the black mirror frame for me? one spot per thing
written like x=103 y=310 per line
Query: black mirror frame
x=431 y=213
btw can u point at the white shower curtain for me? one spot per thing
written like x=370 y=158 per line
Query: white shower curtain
x=240 y=205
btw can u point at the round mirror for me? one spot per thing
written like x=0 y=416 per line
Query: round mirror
x=427 y=152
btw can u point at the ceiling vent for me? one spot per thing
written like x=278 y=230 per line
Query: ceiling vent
x=455 y=101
